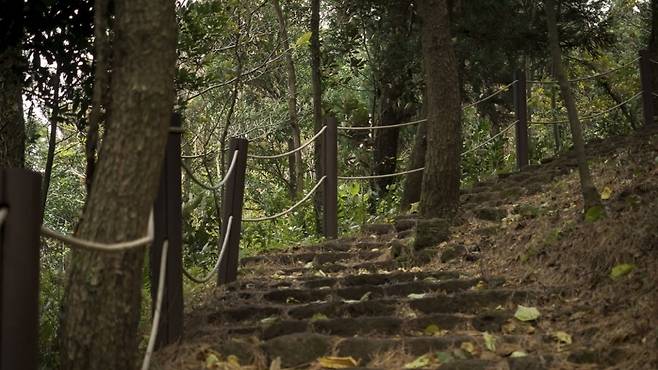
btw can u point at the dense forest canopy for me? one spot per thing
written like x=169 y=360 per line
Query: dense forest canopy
x=249 y=69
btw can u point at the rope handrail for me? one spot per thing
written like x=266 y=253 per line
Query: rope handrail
x=295 y=206
x=222 y=252
x=231 y=168
x=158 y=307
x=585 y=78
x=82 y=244
x=590 y=117
x=497 y=92
x=491 y=138
x=307 y=143
x=373 y=177
x=359 y=128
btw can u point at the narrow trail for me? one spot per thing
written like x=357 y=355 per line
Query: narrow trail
x=375 y=299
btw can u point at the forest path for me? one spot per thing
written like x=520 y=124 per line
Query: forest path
x=374 y=302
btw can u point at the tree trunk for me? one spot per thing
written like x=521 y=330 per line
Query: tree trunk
x=99 y=93
x=392 y=99
x=590 y=194
x=296 y=166
x=12 y=65
x=103 y=292
x=653 y=47
x=52 y=140
x=441 y=178
x=316 y=86
x=414 y=181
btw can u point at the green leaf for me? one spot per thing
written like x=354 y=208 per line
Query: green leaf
x=595 y=213
x=303 y=40
x=319 y=317
x=524 y=313
x=489 y=341
x=562 y=337
x=420 y=362
x=444 y=357
x=621 y=270
x=434 y=330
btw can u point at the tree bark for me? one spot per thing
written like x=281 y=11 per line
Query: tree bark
x=12 y=65
x=99 y=93
x=414 y=181
x=441 y=178
x=391 y=79
x=653 y=47
x=590 y=194
x=296 y=166
x=316 y=86
x=52 y=140
x=103 y=292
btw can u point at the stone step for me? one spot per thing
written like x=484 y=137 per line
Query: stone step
x=317 y=258
x=490 y=321
x=461 y=302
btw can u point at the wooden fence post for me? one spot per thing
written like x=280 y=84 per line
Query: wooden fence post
x=521 y=110
x=646 y=81
x=233 y=200
x=167 y=218
x=19 y=269
x=330 y=166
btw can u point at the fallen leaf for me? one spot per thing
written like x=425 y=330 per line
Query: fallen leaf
x=365 y=297
x=331 y=362
x=417 y=296
x=517 y=354
x=509 y=327
x=269 y=320
x=489 y=341
x=434 y=330
x=621 y=270
x=444 y=357
x=606 y=193
x=233 y=360
x=276 y=364
x=420 y=362
x=562 y=337
x=212 y=360
x=524 y=313
x=319 y=317
x=469 y=347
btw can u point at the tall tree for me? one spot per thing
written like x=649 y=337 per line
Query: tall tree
x=653 y=45
x=441 y=178
x=296 y=166
x=12 y=68
x=103 y=292
x=316 y=87
x=591 y=196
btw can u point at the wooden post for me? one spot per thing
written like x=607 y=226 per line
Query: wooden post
x=521 y=110
x=646 y=81
x=233 y=200
x=167 y=218
x=330 y=166
x=19 y=269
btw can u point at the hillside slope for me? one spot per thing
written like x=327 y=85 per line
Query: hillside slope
x=521 y=240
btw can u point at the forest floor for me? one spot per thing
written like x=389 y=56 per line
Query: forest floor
x=524 y=282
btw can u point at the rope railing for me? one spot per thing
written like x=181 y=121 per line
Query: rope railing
x=220 y=258
x=146 y=363
x=490 y=139
x=295 y=206
x=275 y=156
x=231 y=168
x=586 y=78
x=82 y=244
x=374 y=177
x=590 y=117
x=496 y=93
x=368 y=128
